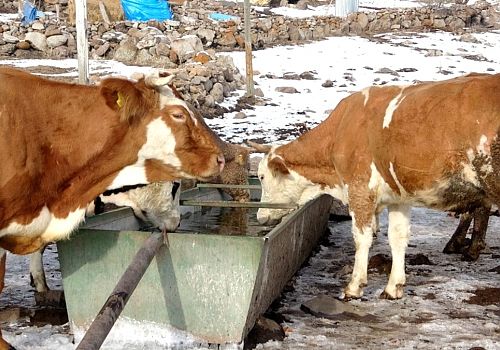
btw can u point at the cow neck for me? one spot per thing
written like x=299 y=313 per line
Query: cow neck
x=100 y=171
x=100 y=146
x=311 y=156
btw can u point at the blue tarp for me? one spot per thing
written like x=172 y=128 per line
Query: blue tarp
x=29 y=13
x=222 y=17
x=144 y=10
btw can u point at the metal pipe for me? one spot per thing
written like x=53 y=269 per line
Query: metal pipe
x=111 y=310
x=234 y=204
x=207 y=185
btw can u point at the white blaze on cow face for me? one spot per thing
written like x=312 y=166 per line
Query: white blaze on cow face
x=276 y=188
x=391 y=108
x=160 y=145
x=168 y=98
x=291 y=188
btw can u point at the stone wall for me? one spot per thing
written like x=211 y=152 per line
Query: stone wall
x=156 y=42
x=193 y=38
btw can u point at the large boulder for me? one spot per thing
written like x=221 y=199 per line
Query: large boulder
x=186 y=47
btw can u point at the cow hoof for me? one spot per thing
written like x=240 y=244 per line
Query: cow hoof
x=350 y=294
x=347 y=298
x=470 y=255
x=397 y=294
x=452 y=247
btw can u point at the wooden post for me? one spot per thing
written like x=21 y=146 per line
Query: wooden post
x=104 y=13
x=82 y=46
x=248 y=50
x=111 y=310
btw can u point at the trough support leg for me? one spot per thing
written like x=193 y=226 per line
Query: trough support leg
x=106 y=318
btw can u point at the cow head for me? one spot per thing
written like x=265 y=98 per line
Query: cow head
x=280 y=184
x=178 y=143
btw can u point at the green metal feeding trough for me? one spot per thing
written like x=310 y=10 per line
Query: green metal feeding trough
x=213 y=280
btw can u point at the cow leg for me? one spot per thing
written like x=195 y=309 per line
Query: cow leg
x=37 y=273
x=399 y=234
x=363 y=224
x=456 y=244
x=481 y=217
x=3 y=254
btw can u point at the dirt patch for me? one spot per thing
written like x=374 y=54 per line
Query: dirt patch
x=485 y=296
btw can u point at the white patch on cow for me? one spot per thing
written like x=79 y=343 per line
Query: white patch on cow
x=468 y=172
x=482 y=147
x=394 y=176
x=160 y=145
x=382 y=190
x=362 y=241
x=47 y=226
x=366 y=94
x=391 y=108
x=130 y=175
x=399 y=235
x=469 y=175
x=292 y=188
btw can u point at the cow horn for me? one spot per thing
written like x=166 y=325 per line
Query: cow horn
x=258 y=147
x=137 y=76
x=155 y=82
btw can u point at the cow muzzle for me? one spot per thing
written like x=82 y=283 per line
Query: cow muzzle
x=266 y=217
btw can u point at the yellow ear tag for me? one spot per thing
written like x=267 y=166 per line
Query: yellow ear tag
x=119 y=102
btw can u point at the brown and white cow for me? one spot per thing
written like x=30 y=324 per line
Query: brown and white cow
x=62 y=145
x=393 y=147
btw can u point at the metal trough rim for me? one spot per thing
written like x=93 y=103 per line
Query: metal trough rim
x=209 y=185
x=236 y=204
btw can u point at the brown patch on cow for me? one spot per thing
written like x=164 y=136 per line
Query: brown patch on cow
x=21 y=245
x=278 y=166
x=485 y=296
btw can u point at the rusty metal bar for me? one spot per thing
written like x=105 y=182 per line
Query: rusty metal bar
x=111 y=310
x=235 y=204
x=207 y=185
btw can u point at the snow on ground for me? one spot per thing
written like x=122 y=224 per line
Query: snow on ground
x=351 y=63
x=434 y=313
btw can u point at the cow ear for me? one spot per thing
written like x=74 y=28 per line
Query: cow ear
x=131 y=100
x=277 y=166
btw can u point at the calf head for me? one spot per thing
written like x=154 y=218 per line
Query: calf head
x=280 y=184
x=236 y=170
x=178 y=143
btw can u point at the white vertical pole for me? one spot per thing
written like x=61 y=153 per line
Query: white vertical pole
x=82 y=46
x=248 y=49
x=345 y=7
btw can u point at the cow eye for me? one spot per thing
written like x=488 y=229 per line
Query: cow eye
x=178 y=115
x=261 y=177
